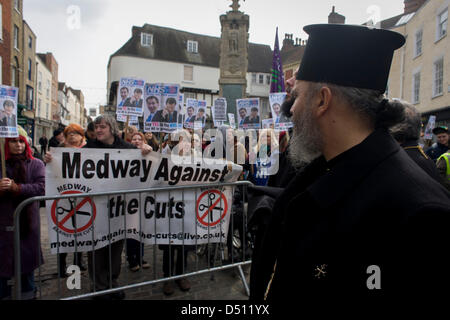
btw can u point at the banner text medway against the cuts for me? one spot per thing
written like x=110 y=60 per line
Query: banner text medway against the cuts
x=73 y=166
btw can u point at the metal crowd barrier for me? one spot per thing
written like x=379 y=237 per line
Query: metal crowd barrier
x=235 y=262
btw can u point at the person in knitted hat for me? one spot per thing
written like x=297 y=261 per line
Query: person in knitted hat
x=25 y=178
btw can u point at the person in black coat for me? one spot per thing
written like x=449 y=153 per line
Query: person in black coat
x=168 y=114
x=90 y=131
x=43 y=141
x=442 y=144
x=407 y=134
x=107 y=137
x=136 y=100
x=360 y=219
x=57 y=139
x=253 y=118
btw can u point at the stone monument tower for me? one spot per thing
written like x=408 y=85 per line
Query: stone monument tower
x=233 y=55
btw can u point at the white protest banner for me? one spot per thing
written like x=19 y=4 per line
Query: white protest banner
x=232 y=120
x=195 y=216
x=130 y=97
x=428 y=134
x=191 y=113
x=280 y=121
x=200 y=118
x=219 y=111
x=248 y=113
x=8 y=112
x=169 y=99
x=132 y=121
x=121 y=117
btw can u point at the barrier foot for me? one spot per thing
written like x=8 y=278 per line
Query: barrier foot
x=241 y=273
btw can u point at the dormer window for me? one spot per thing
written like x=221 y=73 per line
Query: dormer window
x=192 y=46
x=146 y=39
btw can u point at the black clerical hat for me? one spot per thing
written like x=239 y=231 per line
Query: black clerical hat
x=349 y=55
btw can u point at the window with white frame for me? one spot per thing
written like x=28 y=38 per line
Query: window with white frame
x=40 y=81
x=146 y=39
x=30 y=97
x=16 y=5
x=188 y=74
x=438 y=78
x=192 y=46
x=48 y=89
x=47 y=107
x=190 y=95
x=418 y=43
x=442 y=23
x=14 y=76
x=261 y=79
x=16 y=37
x=416 y=88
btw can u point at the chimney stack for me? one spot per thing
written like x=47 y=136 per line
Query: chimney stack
x=288 y=41
x=335 y=17
x=413 y=5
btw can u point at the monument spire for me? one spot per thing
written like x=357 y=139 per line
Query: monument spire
x=233 y=55
x=235 y=6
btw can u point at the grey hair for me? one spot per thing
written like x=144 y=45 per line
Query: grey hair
x=410 y=127
x=109 y=120
x=371 y=105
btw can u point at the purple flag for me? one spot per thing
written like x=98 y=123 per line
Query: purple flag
x=277 y=83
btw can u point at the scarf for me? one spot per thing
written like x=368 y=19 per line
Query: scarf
x=19 y=174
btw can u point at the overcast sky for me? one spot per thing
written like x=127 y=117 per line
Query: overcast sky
x=82 y=46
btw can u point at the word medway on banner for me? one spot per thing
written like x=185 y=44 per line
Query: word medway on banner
x=194 y=216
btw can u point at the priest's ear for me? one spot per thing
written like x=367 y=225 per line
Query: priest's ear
x=324 y=98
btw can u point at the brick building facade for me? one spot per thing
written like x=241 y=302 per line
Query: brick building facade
x=5 y=42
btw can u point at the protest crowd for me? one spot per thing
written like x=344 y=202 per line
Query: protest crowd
x=258 y=151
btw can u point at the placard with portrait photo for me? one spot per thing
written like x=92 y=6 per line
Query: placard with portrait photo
x=8 y=112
